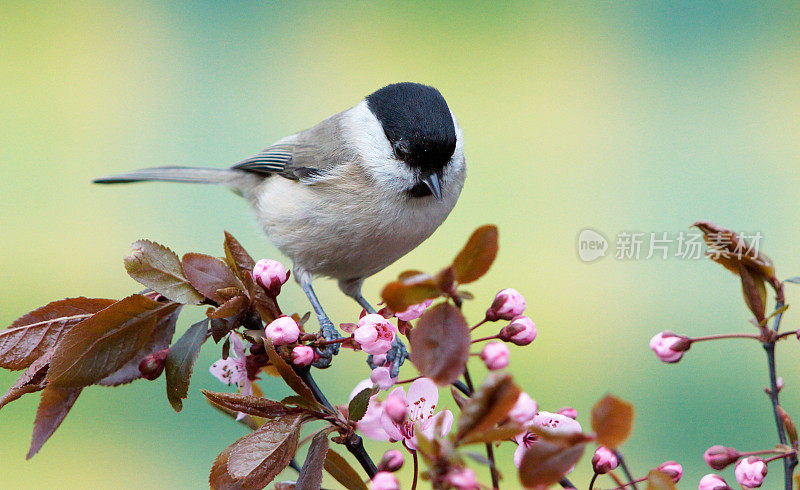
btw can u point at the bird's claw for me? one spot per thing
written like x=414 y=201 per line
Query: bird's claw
x=395 y=357
x=327 y=352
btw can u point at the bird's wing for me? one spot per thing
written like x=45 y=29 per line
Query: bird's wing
x=305 y=156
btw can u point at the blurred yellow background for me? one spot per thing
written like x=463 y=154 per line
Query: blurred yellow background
x=626 y=117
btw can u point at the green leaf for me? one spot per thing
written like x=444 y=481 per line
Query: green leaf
x=287 y=373
x=179 y=363
x=440 y=343
x=477 y=256
x=238 y=258
x=359 y=404
x=208 y=275
x=252 y=405
x=342 y=472
x=257 y=458
x=488 y=405
x=612 y=421
x=310 y=476
x=158 y=268
x=28 y=338
x=54 y=406
x=545 y=463
x=105 y=342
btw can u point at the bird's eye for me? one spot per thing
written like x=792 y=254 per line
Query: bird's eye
x=400 y=149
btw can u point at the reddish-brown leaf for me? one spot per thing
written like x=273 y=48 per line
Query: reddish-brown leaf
x=238 y=258
x=179 y=364
x=287 y=373
x=158 y=268
x=755 y=292
x=488 y=405
x=257 y=458
x=342 y=472
x=310 y=476
x=104 y=343
x=230 y=308
x=160 y=339
x=28 y=338
x=503 y=433
x=31 y=381
x=475 y=259
x=658 y=480
x=440 y=344
x=265 y=306
x=612 y=421
x=208 y=274
x=253 y=405
x=219 y=479
x=399 y=295
x=54 y=406
x=545 y=463
x=730 y=250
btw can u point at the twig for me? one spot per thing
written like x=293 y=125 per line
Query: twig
x=591 y=483
x=625 y=469
x=416 y=470
x=489 y=450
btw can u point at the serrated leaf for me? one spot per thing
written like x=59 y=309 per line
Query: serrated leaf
x=54 y=406
x=231 y=307
x=399 y=295
x=159 y=340
x=179 y=364
x=237 y=256
x=287 y=373
x=545 y=463
x=105 y=342
x=612 y=421
x=31 y=381
x=208 y=275
x=159 y=268
x=440 y=344
x=220 y=327
x=219 y=477
x=488 y=405
x=257 y=458
x=252 y=405
x=310 y=476
x=359 y=404
x=477 y=256
x=342 y=472
x=29 y=337
x=658 y=480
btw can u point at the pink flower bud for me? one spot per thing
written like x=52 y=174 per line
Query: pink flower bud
x=152 y=366
x=673 y=469
x=568 y=412
x=462 y=479
x=719 y=457
x=396 y=406
x=507 y=304
x=669 y=347
x=713 y=482
x=495 y=355
x=392 y=461
x=520 y=331
x=524 y=410
x=604 y=460
x=750 y=472
x=414 y=311
x=302 y=355
x=282 y=331
x=779 y=383
x=375 y=334
x=270 y=275
x=380 y=376
x=383 y=480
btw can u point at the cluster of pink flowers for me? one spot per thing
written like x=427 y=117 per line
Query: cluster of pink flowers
x=749 y=471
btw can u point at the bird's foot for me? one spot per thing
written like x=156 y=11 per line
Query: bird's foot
x=395 y=357
x=326 y=352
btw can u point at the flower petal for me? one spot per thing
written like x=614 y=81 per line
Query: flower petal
x=423 y=396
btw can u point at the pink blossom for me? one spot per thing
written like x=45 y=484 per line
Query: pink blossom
x=370 y=424
x=750 y=472
x=673 y=469
x=391 y=461
x=524 y=441
x=463 y=479
x=524 y=410
x=719 y=457
x=520 y=331
x=233 y=370
x=507 y=304
x=414 y=311
x=669 y=347
x=495 y=355
x=568 y=412
x=421 y=399
x=375 y=334
x=554 y=423
x=396 y=407
x=270 y=275
x=384 y=480
x=604 y=460
x=283 y=330
x=381 y=377
x=713 y=482
x=302 y=355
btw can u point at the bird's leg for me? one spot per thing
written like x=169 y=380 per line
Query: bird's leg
x=398 y=353
x=327 y=329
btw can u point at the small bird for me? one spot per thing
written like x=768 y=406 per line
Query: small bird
x=351 y=195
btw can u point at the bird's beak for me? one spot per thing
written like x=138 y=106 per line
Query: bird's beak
x=432 y=182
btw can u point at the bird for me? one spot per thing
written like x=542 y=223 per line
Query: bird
x=350 y=196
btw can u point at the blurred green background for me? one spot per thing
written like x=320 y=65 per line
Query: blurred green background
x=626 y=117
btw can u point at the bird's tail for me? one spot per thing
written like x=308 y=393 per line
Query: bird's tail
x=195 y=175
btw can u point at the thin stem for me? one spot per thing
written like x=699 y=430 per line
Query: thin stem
x=786 y=334
x=763 y=451
x=565 y=483
x=632 y=482
x=460 y=386
x=354 y=443
x=416 y=470
x=409 y=380
x=784 y=455
x=591 y=483
x=625 y=470
x=479 y=324
x=489 y=450
x=726 y=336
x=482 y=339
x=330 y=342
